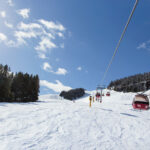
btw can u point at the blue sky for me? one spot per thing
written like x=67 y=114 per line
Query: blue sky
x=69 y=43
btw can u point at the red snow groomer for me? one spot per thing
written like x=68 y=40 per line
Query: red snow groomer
x=140 y=101
x=108 y=94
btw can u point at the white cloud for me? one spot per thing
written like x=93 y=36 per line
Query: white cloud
x=42 y=56
x=60 y=34
x=3 y=14
x=47 y=67
x=10 y=3
x=52 y=25
x=61 y=71
x=9 y=25
x=33 y=30
x=11 y=43
x=47 y=34
x=44 y=33
x=144 y=45
x=24 y=12
x=79 y=68
x=21 y=36
x=3 y=37
x=36 y=28
x=44 y=44
x=57 y=87
x=30 y=26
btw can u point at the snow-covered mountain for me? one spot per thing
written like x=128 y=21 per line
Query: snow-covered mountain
x=56 y=124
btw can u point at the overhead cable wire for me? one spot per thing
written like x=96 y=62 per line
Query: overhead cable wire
x=111 y=60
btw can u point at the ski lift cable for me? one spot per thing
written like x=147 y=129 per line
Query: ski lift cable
x=111 y=60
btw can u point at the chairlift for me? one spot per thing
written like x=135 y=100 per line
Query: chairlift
x=108 y=94
x=98 y=95
x=98 y=91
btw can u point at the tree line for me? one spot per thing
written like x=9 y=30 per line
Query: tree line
x=18 y=87
x=72 y=94
x=135 y=83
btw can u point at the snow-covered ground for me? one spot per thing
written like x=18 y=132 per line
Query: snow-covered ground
x=56 y=124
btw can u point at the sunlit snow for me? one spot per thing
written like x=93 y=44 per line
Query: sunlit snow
x=56 y=124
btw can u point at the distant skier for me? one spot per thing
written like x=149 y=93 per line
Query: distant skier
x=90 y=101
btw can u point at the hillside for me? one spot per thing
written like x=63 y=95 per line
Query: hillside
x=55 y=124
x=135 y=83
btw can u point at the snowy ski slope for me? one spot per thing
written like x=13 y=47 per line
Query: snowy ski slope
x=56 y=124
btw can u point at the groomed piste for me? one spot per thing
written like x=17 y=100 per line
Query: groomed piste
x=57 y=124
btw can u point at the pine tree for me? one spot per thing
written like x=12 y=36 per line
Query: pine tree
x=5 y=83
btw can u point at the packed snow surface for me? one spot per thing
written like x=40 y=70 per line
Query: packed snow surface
x=57 y=124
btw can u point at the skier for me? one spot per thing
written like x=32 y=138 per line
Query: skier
x=90 y=101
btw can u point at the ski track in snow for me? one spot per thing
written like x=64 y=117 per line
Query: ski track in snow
x=56 y=124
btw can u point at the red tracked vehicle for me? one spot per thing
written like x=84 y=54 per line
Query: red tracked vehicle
x=140 y=101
